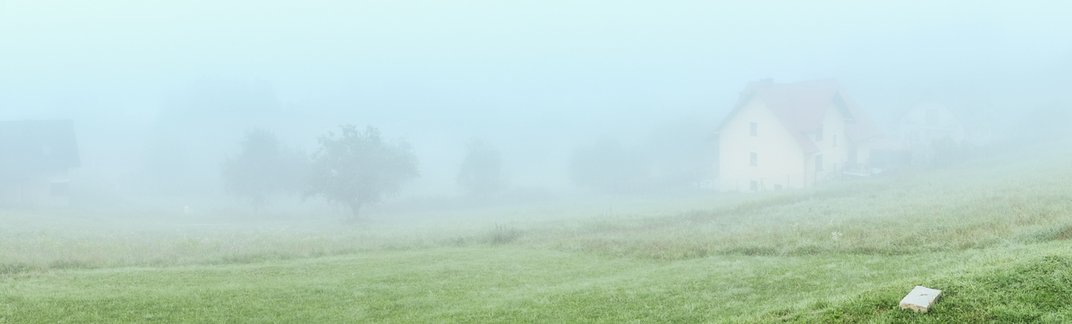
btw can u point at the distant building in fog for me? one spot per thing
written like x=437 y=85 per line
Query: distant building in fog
x=927 y=130
x=792 y=135
x=36 y=157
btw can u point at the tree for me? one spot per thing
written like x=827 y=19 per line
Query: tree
x=356 y=168
x=263 y=168
x=481 y=170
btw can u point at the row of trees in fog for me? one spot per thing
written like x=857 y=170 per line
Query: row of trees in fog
x=355 y=167
x=350 y=166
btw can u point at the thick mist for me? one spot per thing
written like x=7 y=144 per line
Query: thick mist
x=550 y=161
x=162 y=94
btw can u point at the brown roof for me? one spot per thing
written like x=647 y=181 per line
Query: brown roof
x=802 y=106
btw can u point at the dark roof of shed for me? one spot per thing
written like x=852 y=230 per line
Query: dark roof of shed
x=35 y=147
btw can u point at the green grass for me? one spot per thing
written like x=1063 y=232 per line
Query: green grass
x=533 y=285
x=1038 y=289
x=995 y=235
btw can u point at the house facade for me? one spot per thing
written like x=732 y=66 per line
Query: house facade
x=791 y=135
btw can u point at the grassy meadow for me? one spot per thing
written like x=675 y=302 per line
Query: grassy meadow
x=995 y=234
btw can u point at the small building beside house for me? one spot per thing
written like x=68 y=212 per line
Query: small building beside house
x=36 y=158
x=792 y=135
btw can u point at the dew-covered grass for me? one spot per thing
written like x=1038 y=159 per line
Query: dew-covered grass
x=994 y=234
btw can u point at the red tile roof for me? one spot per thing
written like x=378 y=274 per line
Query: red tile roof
x=802 y=106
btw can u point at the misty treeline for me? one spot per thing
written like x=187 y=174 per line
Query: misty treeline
x=356 y=167
x=675 y=157
x=481 y=172
x=220 y=145
x=278 y=158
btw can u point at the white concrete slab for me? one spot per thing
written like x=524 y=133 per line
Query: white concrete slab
x=920 y=299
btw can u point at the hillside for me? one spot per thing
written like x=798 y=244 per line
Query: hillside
x=995 y=234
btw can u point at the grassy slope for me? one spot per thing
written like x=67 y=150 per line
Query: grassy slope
x=518 y=284
x=1037 y=289
x=994 y=236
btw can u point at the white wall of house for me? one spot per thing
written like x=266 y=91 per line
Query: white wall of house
x=779 y=158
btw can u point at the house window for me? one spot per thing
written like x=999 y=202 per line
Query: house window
x=755 y=129
x=755 y=185
x=753 y=159
x=819 y=163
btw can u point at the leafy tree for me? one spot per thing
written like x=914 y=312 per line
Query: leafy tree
x=481 y=170
x=263 y=168
x=356 y=168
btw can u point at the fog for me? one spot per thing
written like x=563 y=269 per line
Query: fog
x=161 y=94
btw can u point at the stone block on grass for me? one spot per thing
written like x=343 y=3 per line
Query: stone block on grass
x=920 y=299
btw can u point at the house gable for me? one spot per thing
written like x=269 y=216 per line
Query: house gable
x=812 y=130
x=757 y=152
